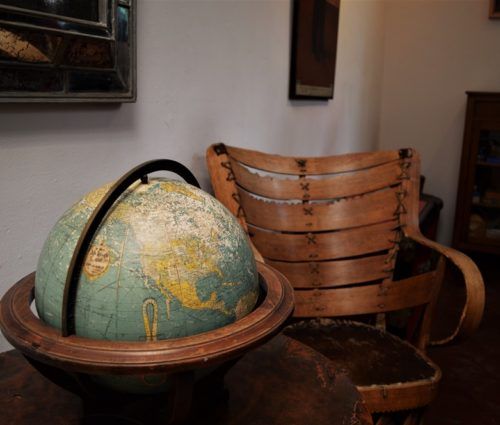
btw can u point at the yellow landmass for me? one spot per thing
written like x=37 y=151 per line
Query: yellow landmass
x=124 y=210
x=246 y=304
x=176 y=272
x=92 y=199
x=174 y=263
x=173 y=186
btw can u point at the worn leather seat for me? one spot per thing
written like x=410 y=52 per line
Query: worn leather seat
x=368 y=354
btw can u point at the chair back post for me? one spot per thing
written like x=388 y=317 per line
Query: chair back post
x=224 y=181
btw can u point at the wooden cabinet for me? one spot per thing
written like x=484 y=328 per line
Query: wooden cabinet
x=477 y=215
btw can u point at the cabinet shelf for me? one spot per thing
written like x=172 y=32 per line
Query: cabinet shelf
x=484 y=240
x=483 y=205
x=487 y=164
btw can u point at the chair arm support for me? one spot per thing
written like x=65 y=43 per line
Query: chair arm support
x=472 y=312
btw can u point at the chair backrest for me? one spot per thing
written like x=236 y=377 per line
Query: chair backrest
x=332 y=225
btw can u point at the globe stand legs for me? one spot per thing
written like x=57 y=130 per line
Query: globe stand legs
x=125 y=409
x=180 y=398
x=107 y=407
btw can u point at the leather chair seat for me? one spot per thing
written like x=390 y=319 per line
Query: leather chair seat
x=369 y=355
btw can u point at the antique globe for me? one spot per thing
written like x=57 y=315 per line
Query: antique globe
x=167 y=261
x=147 y=287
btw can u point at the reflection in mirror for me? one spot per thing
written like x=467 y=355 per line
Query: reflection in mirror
x=87 y=10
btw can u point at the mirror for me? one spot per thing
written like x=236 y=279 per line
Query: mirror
x=67 y=51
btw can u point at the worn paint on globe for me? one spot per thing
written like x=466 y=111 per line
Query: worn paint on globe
x=168 y=261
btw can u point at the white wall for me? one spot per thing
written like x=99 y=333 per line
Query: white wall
x=434 y=52
x=208 y=71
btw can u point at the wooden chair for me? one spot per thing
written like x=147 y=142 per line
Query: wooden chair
x=333 y=225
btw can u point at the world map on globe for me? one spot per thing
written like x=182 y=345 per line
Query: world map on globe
x=168 y=261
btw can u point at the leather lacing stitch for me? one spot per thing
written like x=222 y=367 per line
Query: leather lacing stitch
x=230 y=174
x=401 y=195
x=240 y=213
x=220 y=149
x=405 y=166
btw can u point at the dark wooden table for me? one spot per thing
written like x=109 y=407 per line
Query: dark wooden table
x=282 y=382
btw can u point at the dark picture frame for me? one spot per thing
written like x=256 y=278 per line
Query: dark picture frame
x=315 y=26
x=494 y=9
x=68 y=51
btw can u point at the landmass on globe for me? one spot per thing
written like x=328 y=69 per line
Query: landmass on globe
x=168 y=261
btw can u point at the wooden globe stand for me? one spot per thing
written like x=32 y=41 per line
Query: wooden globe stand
x=69 y=360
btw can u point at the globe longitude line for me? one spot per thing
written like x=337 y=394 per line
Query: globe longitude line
x=56 y=258
x=92 y=225
x=120 y=262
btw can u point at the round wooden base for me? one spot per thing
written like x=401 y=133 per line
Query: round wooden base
x=69 y=360
x=280 y=382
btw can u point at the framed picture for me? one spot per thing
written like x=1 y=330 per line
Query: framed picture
x=314 y=48
x=67 y=51
x=494 y=9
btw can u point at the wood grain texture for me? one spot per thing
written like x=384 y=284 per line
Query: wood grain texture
x=310 y=165
x=324 y=246
x=319 y=285
x=423 y=333
x=326 y=395
x=331 y=187
x=329 y=274
x=45 y=344
x=390 y=373
x=473 y=309
x=397 y=397
x=219 y=169
x=345 y=213
x=351 y=212
x=223 y=182
x=367 y=299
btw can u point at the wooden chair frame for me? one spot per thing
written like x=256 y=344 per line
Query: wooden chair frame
x=228 y=167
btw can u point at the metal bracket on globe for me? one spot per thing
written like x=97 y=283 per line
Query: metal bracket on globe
x=138 y=173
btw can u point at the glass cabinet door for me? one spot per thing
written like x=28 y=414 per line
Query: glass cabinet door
x=484 y=188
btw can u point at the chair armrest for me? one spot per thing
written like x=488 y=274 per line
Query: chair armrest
x=472 y=312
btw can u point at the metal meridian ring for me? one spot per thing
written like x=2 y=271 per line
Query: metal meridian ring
x=75 y=266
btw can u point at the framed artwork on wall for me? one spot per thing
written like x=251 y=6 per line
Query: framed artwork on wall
x=67 y=51
x=494 y=9
x=314 y=49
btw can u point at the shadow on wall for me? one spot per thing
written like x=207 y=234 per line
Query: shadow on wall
x=21 y=122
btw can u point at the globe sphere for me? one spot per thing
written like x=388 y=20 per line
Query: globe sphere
x=168 y=261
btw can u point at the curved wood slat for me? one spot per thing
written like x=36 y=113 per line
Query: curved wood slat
x=360 y=299
x=324 y=246
x=368 y=299
x=338 y=186
x=311 y=165
x=368 y=209
x=333 y=273
x=401 y=396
